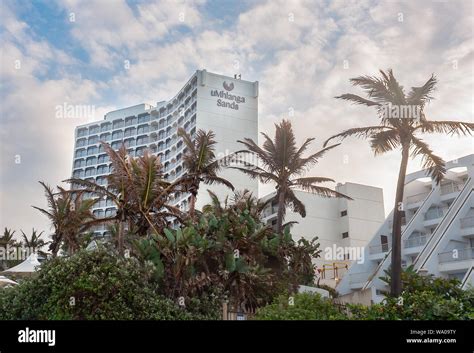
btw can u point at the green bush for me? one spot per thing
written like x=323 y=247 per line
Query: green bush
x=306 y=306
x=423 y=298
x=93 y=285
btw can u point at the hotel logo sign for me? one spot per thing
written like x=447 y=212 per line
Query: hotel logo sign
x=228 y=87
x=226 y=99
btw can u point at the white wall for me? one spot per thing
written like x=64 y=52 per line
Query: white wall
x=229 y=125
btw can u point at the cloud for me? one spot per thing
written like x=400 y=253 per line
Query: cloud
x=302 y=52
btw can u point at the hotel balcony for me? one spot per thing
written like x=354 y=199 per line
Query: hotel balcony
x=378 y=252
x=456 y=260
x=414 y=201
x=414 y=244
x=450 y=190
x=433 y=216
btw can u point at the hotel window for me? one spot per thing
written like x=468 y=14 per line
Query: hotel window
x=103 y=158
x=142 y=140
x=90 y=172
x=78 y=163
x=116 y=145
x=143 y=118
x=80 y=153
x=98 y=213
x=102 y=169
x=78 y=174
x=82 y=132
x=105 y=137
x=93 y=139
x=101 y=180
x=92 y=150
x=105 y=127
x=93 y=130
x=345 y=235
x=139 y=152
x=117 y=135
x=143 y=129
x=81 y=143
x=129 y=142
x=118 y=124
x=130 y=121
x=91 y=161
x=343 y=213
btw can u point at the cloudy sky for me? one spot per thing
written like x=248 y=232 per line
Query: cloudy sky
x=116 y=53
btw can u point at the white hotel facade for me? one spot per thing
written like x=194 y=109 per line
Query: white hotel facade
x=208 y=101
x=437 y=235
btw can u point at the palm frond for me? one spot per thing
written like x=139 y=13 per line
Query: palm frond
x=385 y=141
x=421 y=95
x=435 y=164
x=360 y=132
x=446 y=127
x=357 y=99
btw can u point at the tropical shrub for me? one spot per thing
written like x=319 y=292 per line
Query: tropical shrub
x=229 y=251
x=300 y=306
x=422 y=298
x=92 y=285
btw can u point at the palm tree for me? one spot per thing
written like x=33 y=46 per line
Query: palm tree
x=201 y=164
x=34 y=242
x=283 y=164
x=138 y=190
x=400 y=132
x=70 y=215
x=7 y=238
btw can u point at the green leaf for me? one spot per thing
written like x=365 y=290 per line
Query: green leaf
x=230 y=262
x=169 y=235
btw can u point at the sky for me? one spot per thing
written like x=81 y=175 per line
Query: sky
x=111 y=54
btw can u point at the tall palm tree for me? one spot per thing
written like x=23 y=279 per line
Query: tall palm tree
x=400 y=132
x=70 y=215
x=283 y=164
x=33 y=242
x=201 y=164
x=138 y=190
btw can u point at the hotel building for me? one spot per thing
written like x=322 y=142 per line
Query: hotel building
x=341 y=225
x=208 y=101
x=437 y=234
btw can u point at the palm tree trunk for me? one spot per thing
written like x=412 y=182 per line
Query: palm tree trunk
x=398 y=212
x=281 y=208
x=120 y=233
x=192 y=205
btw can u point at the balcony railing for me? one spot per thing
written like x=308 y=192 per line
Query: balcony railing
x=456 y=255
x=415 y=241
x=434 y=213
x=417 y=198
x=450 y=188
x=467 y=222
x=378 y=249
